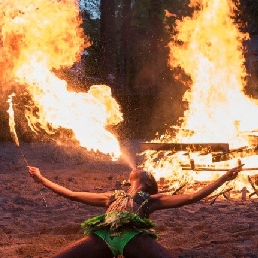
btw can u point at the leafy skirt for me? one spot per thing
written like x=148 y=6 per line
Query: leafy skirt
x=117 y=221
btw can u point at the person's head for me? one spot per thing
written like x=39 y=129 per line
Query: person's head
x=144 y=178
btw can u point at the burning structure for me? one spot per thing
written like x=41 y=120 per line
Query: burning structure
x=218 y=130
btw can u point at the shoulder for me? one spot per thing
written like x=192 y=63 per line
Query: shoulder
x=155 y=202
x=156 y=197
x=166 y=201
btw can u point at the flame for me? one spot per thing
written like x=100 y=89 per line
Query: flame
x=208 y=47
x=10 y=111
x=38 y=37
x=211 y=53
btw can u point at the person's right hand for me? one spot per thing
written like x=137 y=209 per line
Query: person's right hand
x=233 y=172
x=35 y=173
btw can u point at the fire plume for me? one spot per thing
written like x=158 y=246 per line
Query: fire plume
x=211 y=52
x=208 y=46
x=38 y=37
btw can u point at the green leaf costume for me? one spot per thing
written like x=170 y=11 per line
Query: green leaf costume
x=120 y=223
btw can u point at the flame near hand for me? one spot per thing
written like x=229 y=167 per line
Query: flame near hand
x=11 y=120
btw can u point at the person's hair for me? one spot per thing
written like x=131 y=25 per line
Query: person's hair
x=153 y=187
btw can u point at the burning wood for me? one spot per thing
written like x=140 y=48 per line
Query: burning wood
x=172 y=191
x=194 y=168
x=232 y=153
x=226 y=195
x=179 y=188
x=211 y=147
x=223 y=192
x=213 y=168
x=244 y=190
x=253 y=187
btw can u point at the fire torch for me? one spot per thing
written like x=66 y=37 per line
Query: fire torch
x=14 y=134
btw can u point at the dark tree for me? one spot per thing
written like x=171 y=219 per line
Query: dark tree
x=156 y=46
x=125 y=45
x=247 y=15
x=148 y=29
x=107 y=38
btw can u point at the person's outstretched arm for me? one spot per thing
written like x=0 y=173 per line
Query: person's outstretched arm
x=93 y=199
x=163 y=201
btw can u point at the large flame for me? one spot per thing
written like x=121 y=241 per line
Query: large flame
x=211 y=52
x=208 y=47
x=38 y=36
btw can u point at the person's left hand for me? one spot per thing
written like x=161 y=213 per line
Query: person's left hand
x=35 y=173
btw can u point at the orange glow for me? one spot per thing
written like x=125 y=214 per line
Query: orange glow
x=210 y=51
x=39 y=36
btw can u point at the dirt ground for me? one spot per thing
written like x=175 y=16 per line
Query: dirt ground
x=33 y=228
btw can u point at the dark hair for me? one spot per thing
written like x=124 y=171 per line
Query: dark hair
x=153 y=187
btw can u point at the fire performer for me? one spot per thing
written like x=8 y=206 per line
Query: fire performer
x=125 y=229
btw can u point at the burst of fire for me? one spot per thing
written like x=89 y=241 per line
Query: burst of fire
x=210 y=51
x=37 y=37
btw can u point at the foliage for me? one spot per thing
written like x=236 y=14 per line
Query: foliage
x=115 y=222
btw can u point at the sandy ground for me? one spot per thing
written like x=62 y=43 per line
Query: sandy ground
x=31 y=228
